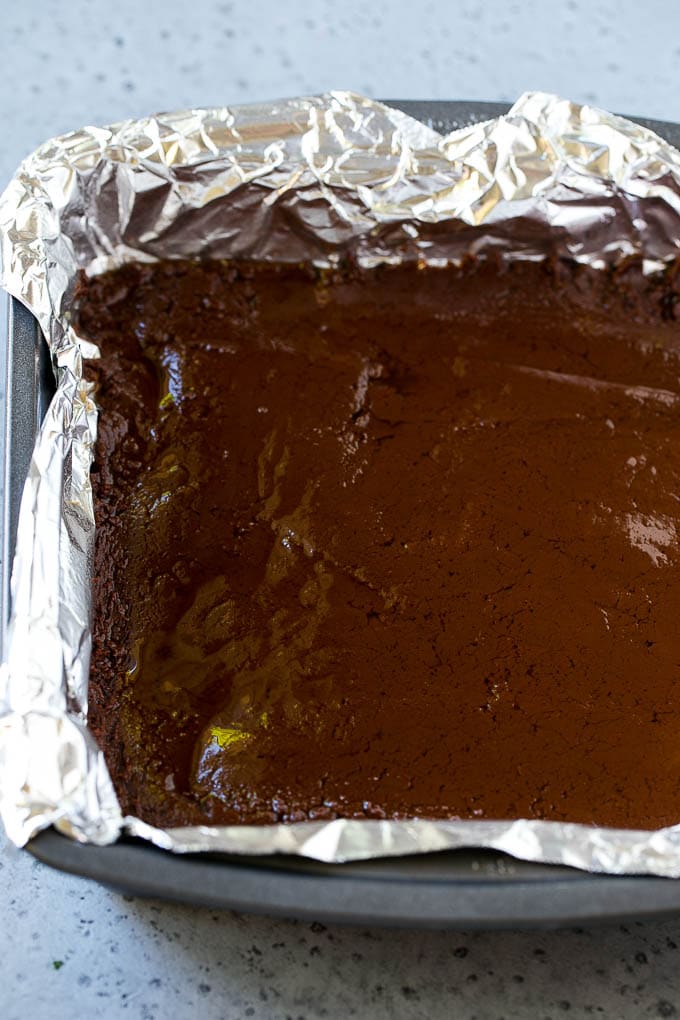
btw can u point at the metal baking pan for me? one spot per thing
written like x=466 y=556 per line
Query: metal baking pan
x=447 y=890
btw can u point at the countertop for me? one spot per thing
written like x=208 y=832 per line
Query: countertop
x=72 y=948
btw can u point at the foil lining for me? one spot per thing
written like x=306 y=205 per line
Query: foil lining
x=305 y=179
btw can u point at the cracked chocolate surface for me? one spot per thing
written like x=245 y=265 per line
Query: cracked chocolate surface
x=387 y=543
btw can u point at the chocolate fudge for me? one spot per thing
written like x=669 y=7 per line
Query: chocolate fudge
x=387 y=543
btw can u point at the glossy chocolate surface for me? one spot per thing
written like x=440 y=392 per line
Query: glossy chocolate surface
x=401 y=542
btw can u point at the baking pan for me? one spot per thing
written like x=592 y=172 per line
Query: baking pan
x=456 y=889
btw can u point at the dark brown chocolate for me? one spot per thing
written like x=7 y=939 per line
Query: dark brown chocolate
x=399 y=542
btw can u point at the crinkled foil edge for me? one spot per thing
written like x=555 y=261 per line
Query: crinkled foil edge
x=300 y=180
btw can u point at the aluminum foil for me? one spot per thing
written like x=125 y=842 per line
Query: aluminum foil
x=304 y=179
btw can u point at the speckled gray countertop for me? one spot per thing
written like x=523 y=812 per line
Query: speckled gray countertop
x=72 y=948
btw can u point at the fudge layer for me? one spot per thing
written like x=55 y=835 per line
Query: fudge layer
x=399 y=542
